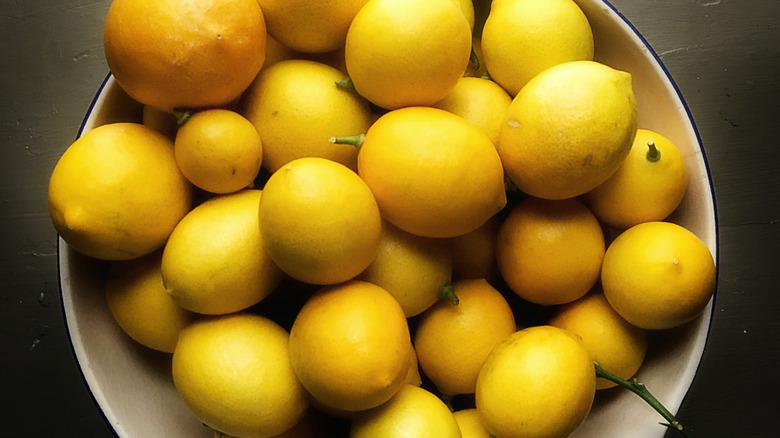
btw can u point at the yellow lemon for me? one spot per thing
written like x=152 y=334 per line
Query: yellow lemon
x=470 y=424
x=234 y=373
x=412 y=268
x=648 y=186
x=412 y=413
x=452 y=341
x=171 y=54
x=550 y=252
x=474 y=253
x=467 y=7
x=297 y=107
x=615 y=344
x=540 y=382
x=349 y=346
x=310 y=26
x=658 y=275
x=396 y=58
x=481 y=102
x=320 y=221
x=219 y=151
x=433 y=173
x=522 y=38
x=116 y=193
x=138 y=302
x=215 y=261
x=569 y=129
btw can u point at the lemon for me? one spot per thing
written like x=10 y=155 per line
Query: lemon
x=467 y=7
x=171 y=54
x=413 y=269
x=452 y=341
x=412 y=413
x=550 y=252
x=413 y=376
x=310 y=26
x=296 y=107
x=215 y=261
x=396 y=58
x=349 y=346
x=116 y=193
x=569 y=129
x=474 y=253
x=234 y=373
x=522 y=38
x=658 y=275
x=219 y=151
x=139 y=304
x=648 y=186
x=320 y=221
x=611 y=341
x=433 y=173
x=540 y=382
x=480 y=101
x=470 y=424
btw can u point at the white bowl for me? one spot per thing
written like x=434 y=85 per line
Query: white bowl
x=133 y=387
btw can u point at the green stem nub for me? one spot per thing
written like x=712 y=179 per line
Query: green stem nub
x=653 y=154
x=346 y=84
x=182 y=115
x=447 y=292
x=354 y=140
x=639 y=389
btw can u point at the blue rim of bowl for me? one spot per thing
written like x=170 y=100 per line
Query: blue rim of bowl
x=660 y=64
x=706 y=168
x=106 y=421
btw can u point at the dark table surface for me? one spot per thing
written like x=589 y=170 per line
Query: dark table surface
x=723 y=54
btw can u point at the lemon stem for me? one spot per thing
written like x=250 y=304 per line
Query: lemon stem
x=354 y=140
x=182 y=115
x=346 y=84
x=639 y=389
x=653 y=154
x=447 y=292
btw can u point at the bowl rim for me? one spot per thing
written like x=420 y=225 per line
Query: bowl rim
x=685 y=380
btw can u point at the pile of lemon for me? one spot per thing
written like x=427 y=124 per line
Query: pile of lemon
x=364 y=206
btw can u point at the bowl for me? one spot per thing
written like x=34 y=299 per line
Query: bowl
x=132 y=385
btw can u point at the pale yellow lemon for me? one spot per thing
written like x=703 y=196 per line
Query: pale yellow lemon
x=648 y=186
x=452 y=341
x=540 y=382
x=349 y=346
x=550 y=252
x=412 y=268
x=481 y=102
x=219 y=151
x=470 y=424
x=616 y=345
x=413 y=412
x=234 y=373
x=658 y=275
x=396 y=58
x=433 y=173
x=215 y=261
x=320 y=221
x=116 y=193
x=569 y=129
x=310 y=26
x=140 y=305
x=297 y=107
x=522 y=38
x=171 y=54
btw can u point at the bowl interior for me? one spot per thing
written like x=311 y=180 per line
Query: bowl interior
x=132 y=385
